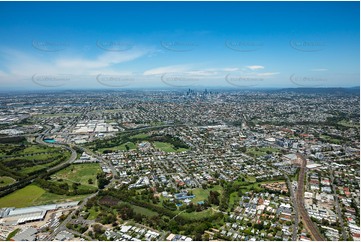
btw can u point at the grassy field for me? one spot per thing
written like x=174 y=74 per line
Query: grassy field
x=244 y=180
x=167 y=147
x=27 y=170
x=122 y=147
x=5 y=148
x=93 y=214
x=50 y=198
x=26 y=158
x=38 y=157
x=80 y=173
x=5 y=180
x=55 y=157
x=130 y=145
x=143 y=211
x=37 y=149
x=197 y=215
x=349 y=124
x=260 y=151
x=164 y=146
x=202 y=194
x=330 y=139
x=33 y=195
x=255 y=187
x=22 y=198
x=232 y=198
x=250 y=179
x=26 y=149
x=139 y=136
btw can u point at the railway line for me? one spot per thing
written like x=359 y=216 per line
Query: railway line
x=310 y=226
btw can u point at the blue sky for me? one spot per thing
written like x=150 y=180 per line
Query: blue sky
x=178 y=44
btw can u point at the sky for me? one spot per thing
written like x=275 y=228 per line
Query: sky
x=72 y=45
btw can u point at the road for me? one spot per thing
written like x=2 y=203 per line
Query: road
x=62 y=225
x=337 y=205
x=99 y=157
x=310 y=226
x=72 y=158
x=294 y=201
x=39 y=140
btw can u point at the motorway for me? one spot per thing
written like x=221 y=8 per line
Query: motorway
x=72 y=158
x=306 y=220
x=39 y=140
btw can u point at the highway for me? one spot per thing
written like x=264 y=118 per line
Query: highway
x=72 y=158
x=310 y=226
x=39 y=140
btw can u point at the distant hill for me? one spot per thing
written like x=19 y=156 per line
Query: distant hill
x=331 y=90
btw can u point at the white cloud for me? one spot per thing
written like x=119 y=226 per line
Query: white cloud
x=21 y=64
x=166 y=69
x=19 y=68
x=104 y=60
x=268 y=74
x=253 y=68
x=189 y=68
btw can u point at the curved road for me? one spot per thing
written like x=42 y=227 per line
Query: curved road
x=39 y=140
x=71 y=159
x=310 y=226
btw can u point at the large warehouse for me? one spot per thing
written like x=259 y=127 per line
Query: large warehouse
x=14 y=216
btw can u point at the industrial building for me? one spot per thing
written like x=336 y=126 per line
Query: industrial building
x=15 y=216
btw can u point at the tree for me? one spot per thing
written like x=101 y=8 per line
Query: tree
x=75 y=185
x=98 y=229
x=138 y=218
x=213 y=197
x=90 y=181
x=325 y=222
x=64 y=186
x=102 y=180
x=198 y=237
